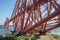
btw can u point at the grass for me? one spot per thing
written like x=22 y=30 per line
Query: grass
x=27 y=37
x=56 y=37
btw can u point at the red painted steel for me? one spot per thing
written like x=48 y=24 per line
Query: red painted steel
x=32 y=16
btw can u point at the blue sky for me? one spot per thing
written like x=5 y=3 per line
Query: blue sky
x=6 y=8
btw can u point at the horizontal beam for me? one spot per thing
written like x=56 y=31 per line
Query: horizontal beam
x=56 y=26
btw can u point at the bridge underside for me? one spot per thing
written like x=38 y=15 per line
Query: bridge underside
x=34 y=16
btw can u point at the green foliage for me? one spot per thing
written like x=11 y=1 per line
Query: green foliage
x=26 y=37
x=33 y=37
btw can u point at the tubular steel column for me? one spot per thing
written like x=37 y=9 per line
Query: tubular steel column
x=30 y=16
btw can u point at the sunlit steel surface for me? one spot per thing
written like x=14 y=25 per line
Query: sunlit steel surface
x=33 y=16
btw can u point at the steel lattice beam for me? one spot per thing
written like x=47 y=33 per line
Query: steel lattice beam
x=28 y=15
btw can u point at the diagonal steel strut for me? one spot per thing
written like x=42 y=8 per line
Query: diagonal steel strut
x=44 y=20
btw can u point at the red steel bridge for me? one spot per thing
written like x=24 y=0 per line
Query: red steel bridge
x=34 y=16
